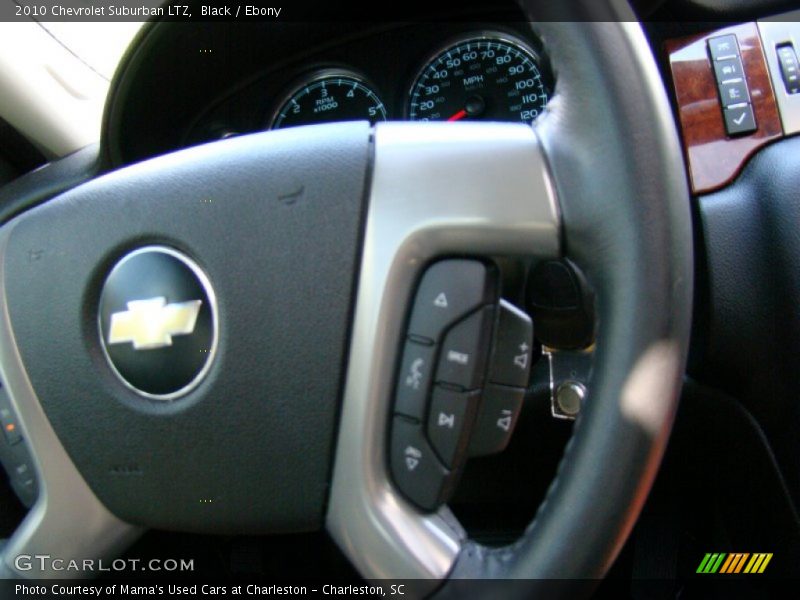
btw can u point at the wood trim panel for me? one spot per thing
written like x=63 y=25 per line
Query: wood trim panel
x=713 y=157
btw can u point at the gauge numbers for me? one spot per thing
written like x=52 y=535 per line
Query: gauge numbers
x=329 y=96
x=488 y=78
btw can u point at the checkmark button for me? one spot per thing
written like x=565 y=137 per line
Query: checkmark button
x=740 y=120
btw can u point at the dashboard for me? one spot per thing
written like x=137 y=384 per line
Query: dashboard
x=490 y=68
x=416 y=72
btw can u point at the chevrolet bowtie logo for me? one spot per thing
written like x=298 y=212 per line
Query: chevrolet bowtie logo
x=150 y=324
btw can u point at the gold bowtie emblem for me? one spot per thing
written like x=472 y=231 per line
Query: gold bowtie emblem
x=150 y=324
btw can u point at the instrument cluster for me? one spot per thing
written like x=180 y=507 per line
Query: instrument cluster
x=415 y=72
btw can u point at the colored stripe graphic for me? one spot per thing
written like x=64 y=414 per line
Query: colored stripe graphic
x=710 y=563
x=720 y=562
x=734 y=563
x=727 y=564
x=703 y=563
x=740 y=564
x=758 y=563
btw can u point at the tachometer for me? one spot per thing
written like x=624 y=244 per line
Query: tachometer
x=327 y=96
x=489 y=77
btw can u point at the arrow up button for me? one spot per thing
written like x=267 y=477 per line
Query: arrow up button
x=450 y=290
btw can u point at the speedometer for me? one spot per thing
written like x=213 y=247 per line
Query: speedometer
x=488 y=78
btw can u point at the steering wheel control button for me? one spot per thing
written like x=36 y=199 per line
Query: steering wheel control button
x=513 y=350
x=416 y=373
x=740 y=119
x=723 y=47
x=497 y=417
x=10 y=426
x=449 y=290
x=158 y=322
x=15 y=455
x=26 y=490
x=462 y=360
x=417 y=472
x=449 y=423
x=8 y=420
x=23 y=481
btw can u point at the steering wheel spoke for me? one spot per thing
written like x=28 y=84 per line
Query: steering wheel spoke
x=437 y=190
x=614 y=162
x=67 y=521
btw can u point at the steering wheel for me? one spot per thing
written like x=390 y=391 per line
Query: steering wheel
x=304 y=247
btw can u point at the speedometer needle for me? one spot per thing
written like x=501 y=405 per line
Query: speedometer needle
x=459 y=115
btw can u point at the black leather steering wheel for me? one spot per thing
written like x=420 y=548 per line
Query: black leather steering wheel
x=312 y=240
x=625 y=216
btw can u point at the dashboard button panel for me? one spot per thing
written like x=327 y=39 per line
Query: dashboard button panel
x=790 y=69
x=732 y=85
x=717 y=150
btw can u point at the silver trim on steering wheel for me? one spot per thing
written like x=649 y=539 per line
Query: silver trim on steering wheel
x=67 y=521
x=437 y=189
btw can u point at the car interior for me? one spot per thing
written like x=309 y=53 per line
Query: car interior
x=479 y=298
